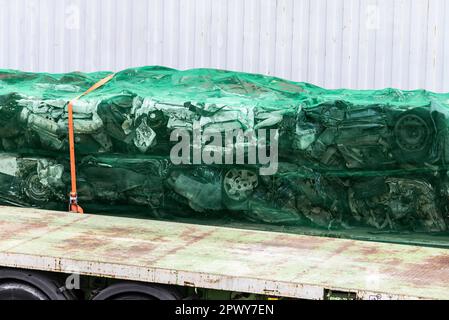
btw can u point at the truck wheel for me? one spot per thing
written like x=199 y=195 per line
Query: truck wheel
x=137 y=291
x=17 y=284
x=15 y=290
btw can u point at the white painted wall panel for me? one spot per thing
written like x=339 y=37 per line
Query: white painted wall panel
x=332 y=43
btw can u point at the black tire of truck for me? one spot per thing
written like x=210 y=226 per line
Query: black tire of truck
x=128 y=290
x=19 y=284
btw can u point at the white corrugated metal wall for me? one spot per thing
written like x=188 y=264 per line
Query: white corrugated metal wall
x=332 y=43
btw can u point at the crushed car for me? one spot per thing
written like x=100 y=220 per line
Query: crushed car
x=343 y=158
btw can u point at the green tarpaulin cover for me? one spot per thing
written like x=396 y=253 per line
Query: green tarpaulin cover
x=308 y=156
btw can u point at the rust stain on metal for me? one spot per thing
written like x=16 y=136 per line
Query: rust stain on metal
x=99 y=243
x=189 y=233
x=83 y=241
x=341 y=249
x=193 y=235
x=14 y=229
x=142 y=249
x=123 y=232
x=421 y=274
x=190 y=240
x=439 y=262
x=309 y=243
x=116 y=231
x=371 y=250
x=417 y=276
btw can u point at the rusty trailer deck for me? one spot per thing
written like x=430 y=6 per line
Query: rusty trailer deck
x=219 y=258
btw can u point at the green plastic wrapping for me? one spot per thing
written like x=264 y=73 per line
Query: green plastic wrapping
x=332 y=159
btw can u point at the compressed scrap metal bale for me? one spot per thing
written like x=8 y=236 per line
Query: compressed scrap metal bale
x=345 y=157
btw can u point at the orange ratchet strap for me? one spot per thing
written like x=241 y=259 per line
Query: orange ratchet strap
x=73 y=204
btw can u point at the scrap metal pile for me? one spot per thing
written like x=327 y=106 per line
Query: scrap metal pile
x=345 y=158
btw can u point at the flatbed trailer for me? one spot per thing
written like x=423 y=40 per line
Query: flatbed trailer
x=178 y=255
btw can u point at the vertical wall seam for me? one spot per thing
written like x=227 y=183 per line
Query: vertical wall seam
x=308 y=42
x=426 y=52
x=323 y=76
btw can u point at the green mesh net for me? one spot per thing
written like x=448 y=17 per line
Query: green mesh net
x=333 y=159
